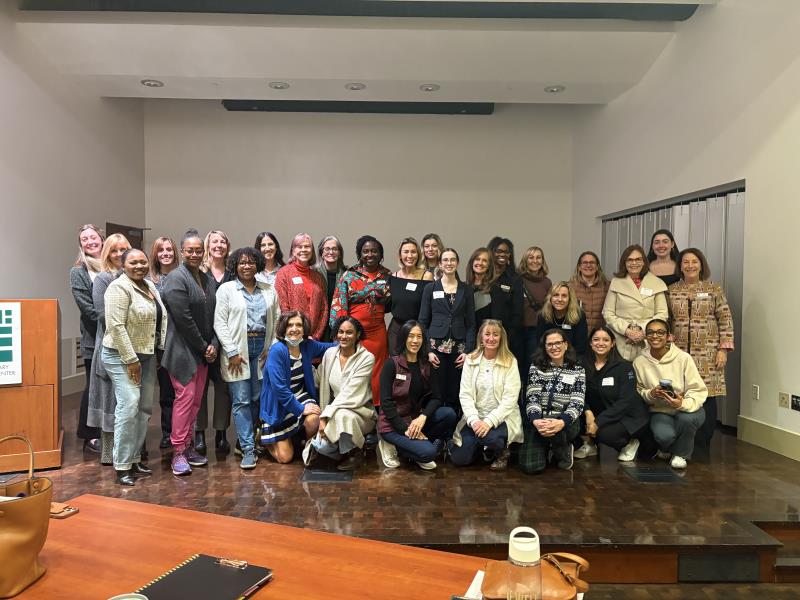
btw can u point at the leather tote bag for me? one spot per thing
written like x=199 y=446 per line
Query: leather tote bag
x=24 y=519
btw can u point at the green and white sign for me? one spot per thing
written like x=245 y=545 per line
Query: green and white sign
x=10 y=343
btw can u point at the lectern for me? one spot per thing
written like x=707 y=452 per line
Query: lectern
x=33 y=406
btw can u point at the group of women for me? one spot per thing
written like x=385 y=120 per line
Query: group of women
x=299 y=354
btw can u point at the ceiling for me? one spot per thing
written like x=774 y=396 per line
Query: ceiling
x=237 y=56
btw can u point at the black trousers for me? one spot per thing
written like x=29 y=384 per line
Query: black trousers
x=616 y=436
x=449 y=380
x=84 y=431
x=703 y=436
x=166 y=397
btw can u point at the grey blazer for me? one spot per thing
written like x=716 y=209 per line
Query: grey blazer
x=81 y=285
x=190 y=329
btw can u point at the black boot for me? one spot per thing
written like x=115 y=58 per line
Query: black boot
x=221 y=442
x=200 y=441
x=144 y=454
x=141 y=470
x=165 y=443
x=125 y=478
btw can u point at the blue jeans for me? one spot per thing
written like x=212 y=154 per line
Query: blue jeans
x=245 y=396
x=439 y=426
x=675 y=433
x=134 y=406
x=495 y=441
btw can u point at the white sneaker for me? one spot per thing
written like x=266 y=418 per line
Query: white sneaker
x=677 y=462
x=428 y=466
x=587 y=449
x=388 y=454
x=628 y=453
x=662 y=455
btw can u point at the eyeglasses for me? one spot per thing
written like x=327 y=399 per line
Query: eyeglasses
x=656 y=332
x=246 y=263
x=193 y=251
x=554 y=345
x=634 y=260
x=588 y=263
x=330 y=250
x=502 y=252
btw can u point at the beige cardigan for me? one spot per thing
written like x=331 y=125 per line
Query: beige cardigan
x=351 y=411
x=131 y=319
x=626 y=305
x=506 y=383
x=677 y=366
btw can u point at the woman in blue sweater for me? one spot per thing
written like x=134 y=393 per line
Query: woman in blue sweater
x=289 y=399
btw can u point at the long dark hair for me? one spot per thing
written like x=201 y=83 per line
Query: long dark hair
x=673 y=254
x=613 y=356
x=542 y=361
x=278 y=252
x=511 y=267
x=402 y=338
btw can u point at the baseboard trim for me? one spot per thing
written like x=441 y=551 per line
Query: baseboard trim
x=770 y=437
x=72 y=384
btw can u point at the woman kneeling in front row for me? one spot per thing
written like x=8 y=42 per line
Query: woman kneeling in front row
x=345 y=397
x=413 y=423
x=490 y=387
x=555 y=397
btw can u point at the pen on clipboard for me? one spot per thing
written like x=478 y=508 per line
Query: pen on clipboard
x=254 y=588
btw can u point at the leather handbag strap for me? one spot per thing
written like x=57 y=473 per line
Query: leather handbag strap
x=22 y=438
x=579 y=584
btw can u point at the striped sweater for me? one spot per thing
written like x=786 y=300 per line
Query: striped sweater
x=557 y=393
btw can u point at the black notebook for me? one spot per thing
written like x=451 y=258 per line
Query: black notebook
x=202 y=577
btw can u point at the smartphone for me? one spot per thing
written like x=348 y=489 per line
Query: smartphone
x=666 y=385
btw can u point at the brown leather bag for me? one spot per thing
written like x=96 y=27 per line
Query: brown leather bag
x=23 y=528
x=560 y=577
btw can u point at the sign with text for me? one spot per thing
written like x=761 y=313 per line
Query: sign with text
x=10 y=343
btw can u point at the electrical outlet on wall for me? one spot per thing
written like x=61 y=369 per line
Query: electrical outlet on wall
x=756 y=392
x=783 y=400
x=796 y=403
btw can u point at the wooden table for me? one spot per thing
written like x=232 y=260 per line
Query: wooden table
x=113 y=546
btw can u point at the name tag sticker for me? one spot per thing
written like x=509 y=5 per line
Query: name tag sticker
x=646 y=292
x=566 y=326
x=703 y=294
x=608 y=381
x=411 y=286
x=505 y=288
x=400 y=376
x=438 y=294
x=568 y=379
x=297 y=280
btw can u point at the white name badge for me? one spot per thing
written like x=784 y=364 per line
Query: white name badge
x=703 y=294
x=646 y=292
x=505 y=288
x=568 y=379
x=608 y=381
x=297 y=280
x=438 y=295
x=566 y=326
x=411 y=286
x=400 y=376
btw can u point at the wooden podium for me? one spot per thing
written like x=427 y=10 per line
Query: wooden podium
x=33 y=409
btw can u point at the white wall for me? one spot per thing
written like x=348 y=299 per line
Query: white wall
x=465 y=177
x=722 y=103
x=65 y=159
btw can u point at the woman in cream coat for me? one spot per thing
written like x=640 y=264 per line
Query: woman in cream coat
x=491 y=419
x=635 y=297
x=345 y=397
x=244 y=321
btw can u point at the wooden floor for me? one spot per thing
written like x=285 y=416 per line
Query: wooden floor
x=596 y=503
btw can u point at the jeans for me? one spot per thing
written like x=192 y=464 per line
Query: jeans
x=186 y=406
x=675 y=433
x=495 y=441
x=134 y=406
x=245 y=396
x=439 y=426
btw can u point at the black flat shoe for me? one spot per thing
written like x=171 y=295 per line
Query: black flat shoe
x=126 y=478
x=351 y=462
x=165 y=443
x=141 y=470
x=92 y=445
x=221 y=443
x=200 y=441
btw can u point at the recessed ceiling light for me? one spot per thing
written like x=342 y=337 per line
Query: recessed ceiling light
x=154 y=83
x=279 y=85
x=355 y=86
x=554 y=89
x=430 y=87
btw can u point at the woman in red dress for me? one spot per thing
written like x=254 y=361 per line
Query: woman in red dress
x=363 y=293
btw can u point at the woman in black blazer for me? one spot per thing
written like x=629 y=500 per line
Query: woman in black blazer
x=448 y=314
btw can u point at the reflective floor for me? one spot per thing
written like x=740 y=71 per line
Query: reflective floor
x=595 y=503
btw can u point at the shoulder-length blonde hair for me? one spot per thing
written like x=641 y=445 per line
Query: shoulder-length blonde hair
x=206 y=265
x=108 y=245
x=91 y=263
x=504 y=356
x=573 y=306
x=523 y=269
x=155 y=266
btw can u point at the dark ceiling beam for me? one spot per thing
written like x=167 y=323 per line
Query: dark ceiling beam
x=641 y=11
